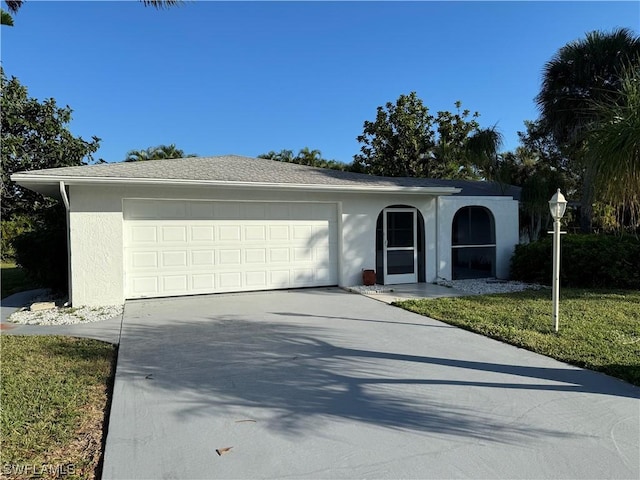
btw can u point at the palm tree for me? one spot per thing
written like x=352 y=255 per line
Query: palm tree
x=580 y=73
x=613 y=144
x=14 y=6
x=161 y=152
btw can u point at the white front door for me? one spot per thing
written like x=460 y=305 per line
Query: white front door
x=400 y=245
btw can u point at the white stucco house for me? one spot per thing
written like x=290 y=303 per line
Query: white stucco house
x=230 y=223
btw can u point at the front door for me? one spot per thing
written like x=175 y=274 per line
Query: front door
x=400 y=246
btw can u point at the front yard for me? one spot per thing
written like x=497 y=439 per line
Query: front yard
x=599 y=330
x=54 y=393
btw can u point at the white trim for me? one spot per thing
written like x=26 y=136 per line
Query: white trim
x=405 y=277
x=25 y=178
x=67 y=209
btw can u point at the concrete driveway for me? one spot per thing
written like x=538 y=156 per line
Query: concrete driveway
x=327 y=384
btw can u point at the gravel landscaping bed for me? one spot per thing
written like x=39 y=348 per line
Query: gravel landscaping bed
x=481 y=286
x=486 y=286
x=63 y=315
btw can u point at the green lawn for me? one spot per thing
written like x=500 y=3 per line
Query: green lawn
x=14 y=280
x=54 y=393
x=599 y=330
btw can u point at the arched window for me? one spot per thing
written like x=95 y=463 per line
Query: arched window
x=473 y=243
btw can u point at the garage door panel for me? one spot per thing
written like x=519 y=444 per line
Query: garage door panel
x=230 y=257
x=173 y=234
x=255 y=255
x=141 y=260
x=174 y=283
x=256 y=279
x=278 y=255
x=143 y=234
x=202 y=233
x=243 y=246
x=229 y=233
x=202 y=258
x=230 y=280
x=174 y=259
x=144 y=285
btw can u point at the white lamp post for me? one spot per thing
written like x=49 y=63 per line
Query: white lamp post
x=557 y=205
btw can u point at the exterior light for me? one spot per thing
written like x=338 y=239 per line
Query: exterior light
x=557 y=206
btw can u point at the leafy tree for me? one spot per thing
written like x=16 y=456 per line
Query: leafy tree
x=399 y=142
x=34 y=136
x=580 y=73
x=14 y=6
x=160 y=152
x=305 y=156
x=405 y=140
x=460 y=144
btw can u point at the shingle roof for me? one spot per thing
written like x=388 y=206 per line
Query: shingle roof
x=238 y=169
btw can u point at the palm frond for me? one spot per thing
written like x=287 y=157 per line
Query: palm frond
x=6 y=19
x=159 y=4
x=14 y=5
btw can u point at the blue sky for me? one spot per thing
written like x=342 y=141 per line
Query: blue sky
x=248 y=77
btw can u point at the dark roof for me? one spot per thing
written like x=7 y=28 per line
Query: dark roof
x=238 y=169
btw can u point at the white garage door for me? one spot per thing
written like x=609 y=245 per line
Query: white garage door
x=191 y=247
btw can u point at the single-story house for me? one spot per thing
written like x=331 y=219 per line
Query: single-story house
x=231 y=223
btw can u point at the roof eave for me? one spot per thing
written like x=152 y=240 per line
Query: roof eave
x=48 y=184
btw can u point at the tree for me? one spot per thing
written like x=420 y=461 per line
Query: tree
x=613 y=146
x=161 y=152
x=305 y=156
x=405 y=140
x=14 y=6
x=580 y=73
x=460 y=144
x=398 y=143
x=34 y=136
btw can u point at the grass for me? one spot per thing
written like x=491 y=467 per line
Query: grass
x=14 y=280
x=599 y=330
x=54 y=392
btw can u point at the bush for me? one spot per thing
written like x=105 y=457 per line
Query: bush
x=11 y=229
x=586 y=261
x=42 y=252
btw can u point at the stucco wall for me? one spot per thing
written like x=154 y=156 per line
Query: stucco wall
x=505 y=213
x=96 y=230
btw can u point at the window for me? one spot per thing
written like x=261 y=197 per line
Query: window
x=473 y=243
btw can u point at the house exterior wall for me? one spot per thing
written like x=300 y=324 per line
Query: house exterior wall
x=505 y=214
x=96 y=230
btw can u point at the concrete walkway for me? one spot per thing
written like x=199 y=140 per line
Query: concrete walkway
x=396 y=293
x=326 y=384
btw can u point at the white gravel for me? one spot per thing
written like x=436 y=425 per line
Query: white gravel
x=481 y=286
x=66 y=315
x=485 y=286
x=70 y=316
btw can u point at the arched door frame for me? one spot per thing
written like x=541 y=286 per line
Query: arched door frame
x=382 y=276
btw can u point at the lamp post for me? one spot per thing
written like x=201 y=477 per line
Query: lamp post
x=557 y=206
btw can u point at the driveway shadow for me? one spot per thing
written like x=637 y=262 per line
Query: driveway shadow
x=299 y=373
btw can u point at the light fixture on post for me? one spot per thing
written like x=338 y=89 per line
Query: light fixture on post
x=557 y=206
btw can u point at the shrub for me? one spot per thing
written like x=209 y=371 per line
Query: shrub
x=11 y=229
x=42 y=252
x=586 y=261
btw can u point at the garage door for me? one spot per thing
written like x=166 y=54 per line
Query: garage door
x=193 y=247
